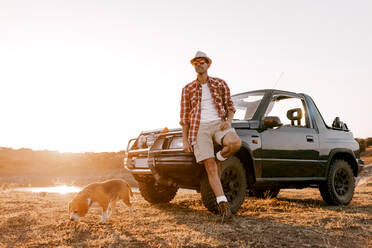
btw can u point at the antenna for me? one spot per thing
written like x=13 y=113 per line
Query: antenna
x=277 y=81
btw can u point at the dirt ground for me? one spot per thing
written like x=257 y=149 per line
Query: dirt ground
x=297 y=218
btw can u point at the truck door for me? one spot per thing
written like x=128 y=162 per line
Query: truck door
x=291 y=150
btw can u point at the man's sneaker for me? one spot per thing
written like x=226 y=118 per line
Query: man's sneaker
x=225 y=211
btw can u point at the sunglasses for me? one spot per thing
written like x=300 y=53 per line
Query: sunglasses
x=202 y=61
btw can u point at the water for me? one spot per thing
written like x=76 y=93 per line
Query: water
x=62 y=189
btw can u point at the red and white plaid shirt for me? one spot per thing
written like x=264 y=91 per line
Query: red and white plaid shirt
x=191 y=103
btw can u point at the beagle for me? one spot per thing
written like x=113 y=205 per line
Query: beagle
x=104 y=195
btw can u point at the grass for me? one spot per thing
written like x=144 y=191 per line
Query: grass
x=297 y=218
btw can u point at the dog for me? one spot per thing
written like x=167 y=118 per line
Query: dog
x=104 y=195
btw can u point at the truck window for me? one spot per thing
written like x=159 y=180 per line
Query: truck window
x=282 y=107
x=246 y=105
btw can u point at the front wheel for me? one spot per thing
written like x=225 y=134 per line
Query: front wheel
x=156 y=193
x=340 y=184
x=234 y=184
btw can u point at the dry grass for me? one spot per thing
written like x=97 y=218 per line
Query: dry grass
x=297 y=218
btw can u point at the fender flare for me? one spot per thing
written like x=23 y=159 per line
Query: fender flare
x=246 y=157
x=346 y=154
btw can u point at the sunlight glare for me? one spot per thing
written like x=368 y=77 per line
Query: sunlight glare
x=62 y=189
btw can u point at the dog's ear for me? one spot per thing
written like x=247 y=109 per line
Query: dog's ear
x=86 y=192
x=81 y=195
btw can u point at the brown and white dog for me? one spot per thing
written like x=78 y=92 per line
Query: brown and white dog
x=103 y=194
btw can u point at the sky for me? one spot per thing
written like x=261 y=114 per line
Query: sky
x=86 y=76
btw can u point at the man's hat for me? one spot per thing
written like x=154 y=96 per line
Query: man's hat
x=200 y=54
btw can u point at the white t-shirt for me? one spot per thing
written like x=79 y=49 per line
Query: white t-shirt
x=208 y=109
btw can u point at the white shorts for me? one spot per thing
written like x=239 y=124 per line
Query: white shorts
x=207 y=133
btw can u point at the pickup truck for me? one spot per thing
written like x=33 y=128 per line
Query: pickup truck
x=285 y=144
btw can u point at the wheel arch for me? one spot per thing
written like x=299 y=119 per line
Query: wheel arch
x=245 y=156
x=346 y=155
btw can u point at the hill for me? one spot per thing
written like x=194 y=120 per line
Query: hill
x=38 y=168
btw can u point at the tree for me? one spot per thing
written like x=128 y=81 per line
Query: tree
x=368 y=142
x=362 y=144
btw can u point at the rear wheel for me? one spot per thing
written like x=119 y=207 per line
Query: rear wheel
x=156 y=193
x=340 y=184
x=234 y=184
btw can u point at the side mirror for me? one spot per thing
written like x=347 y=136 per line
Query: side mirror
x=272 y=121
x=338 y=124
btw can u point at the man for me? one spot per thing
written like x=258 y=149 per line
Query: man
x=206 y=114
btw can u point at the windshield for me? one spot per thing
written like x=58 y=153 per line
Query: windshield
x=246 y=105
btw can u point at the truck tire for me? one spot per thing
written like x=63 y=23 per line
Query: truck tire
x=234 y=184
x=264 y=193
x=340 y=184
x=156 y=193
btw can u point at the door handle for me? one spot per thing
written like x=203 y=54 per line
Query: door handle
x=309 y=138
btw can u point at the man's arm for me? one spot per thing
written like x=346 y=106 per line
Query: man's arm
x=229 y=107
x=185 y=134
x=230 y=116
x=227 y=101
x=227 y=123
x=185 y=107
x=184 y=115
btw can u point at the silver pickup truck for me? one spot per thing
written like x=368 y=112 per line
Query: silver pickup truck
x=285 y=144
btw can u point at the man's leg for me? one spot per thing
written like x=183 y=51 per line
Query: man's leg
x=213 y=177
x=204 y=152
x=231 y=144
x=215 y=182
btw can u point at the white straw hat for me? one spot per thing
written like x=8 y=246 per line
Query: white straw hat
x=200 y=54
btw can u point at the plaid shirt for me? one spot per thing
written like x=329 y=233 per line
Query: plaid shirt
x=191 y=103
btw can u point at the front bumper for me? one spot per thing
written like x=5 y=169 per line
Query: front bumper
x=140 y=171
x=167 y=167
x=129 y=164
x=169 y=161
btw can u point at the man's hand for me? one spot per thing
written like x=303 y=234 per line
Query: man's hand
x=186 y=146
x=225 y=125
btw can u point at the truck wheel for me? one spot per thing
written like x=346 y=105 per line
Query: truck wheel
x=340 y=184
x=156 y=193
x=264 y=193
x=234 y=184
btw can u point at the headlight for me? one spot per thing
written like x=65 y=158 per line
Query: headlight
x=142 y=142
x=158 y=144
x=176 y=143
x=150 y=139
x=146 y=141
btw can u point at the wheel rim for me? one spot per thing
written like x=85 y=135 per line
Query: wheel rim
x=342 y=182
x=230 y=183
